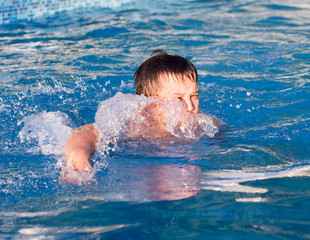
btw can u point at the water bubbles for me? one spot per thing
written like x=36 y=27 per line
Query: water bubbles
x=107 y=83
x=126 y=85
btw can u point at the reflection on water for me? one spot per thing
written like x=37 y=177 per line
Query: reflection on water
x=145 y=182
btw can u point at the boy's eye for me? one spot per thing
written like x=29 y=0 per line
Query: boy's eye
x=181 y=99
x=195 y=96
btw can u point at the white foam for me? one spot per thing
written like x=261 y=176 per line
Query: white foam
x=32 y=214
x=50 y=129
x=126 y=85
x=230 y=180
x=45 y=231
x=254 y=200
x=5 y=108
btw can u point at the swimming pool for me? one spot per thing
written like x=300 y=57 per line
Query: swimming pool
x=248 y=182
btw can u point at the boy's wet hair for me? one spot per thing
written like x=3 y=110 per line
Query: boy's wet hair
x=148 y=75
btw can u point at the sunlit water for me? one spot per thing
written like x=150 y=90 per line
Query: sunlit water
x=248 y=181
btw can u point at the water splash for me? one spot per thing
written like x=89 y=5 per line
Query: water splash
x=127 y=115
x=122 y=117
x=49 y=129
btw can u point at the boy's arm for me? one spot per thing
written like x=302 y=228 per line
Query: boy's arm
x=80 y=147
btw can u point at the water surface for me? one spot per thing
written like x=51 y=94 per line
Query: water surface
x=248 y=182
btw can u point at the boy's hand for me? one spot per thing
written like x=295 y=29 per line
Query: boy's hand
x=79 y=178
x=78 y=160
x=78 y=150
x=78 y=170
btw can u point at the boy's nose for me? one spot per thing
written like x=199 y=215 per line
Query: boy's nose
x=189 y=105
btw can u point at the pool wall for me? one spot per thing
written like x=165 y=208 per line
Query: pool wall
x=13 y=11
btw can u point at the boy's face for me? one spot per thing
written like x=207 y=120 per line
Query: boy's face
x=186 y=91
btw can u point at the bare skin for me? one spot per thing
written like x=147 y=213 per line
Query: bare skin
x=187 y=92
x=80 y=147
x=82 y=144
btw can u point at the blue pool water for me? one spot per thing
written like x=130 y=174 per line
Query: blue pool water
x=250 y=181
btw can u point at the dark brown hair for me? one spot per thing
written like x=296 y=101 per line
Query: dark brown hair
x=148 y=74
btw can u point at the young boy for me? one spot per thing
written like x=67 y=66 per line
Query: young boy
x=162 y=77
